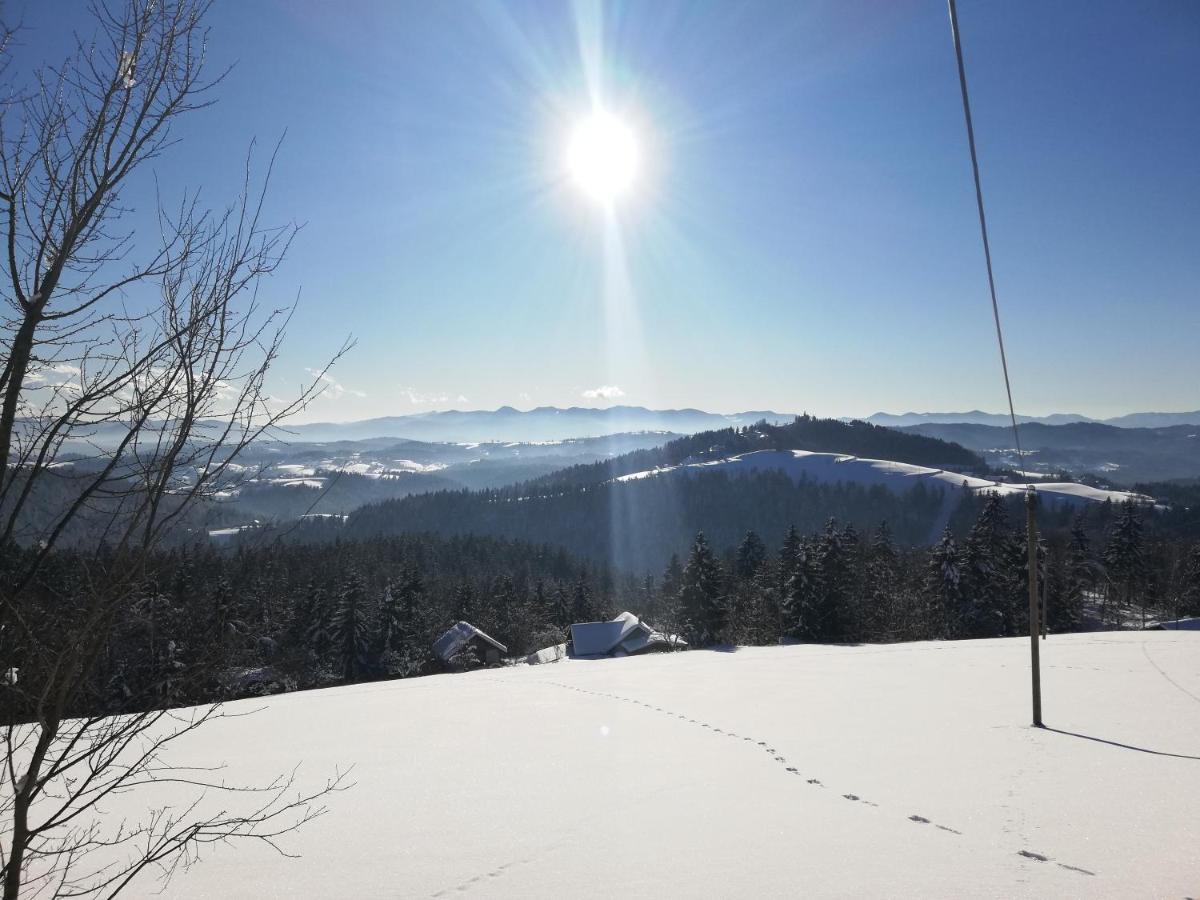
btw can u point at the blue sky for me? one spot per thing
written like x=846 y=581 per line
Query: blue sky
x=803 y=234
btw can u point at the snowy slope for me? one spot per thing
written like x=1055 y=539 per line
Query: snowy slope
x=834 y=467
x=904 y=770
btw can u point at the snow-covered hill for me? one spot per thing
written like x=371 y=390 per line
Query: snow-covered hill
x=906 y=770
x=835 y=467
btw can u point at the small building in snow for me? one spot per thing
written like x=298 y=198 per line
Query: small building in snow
x=547 y=655
x=464 y=635
x=626 y=635
x=1190 y=624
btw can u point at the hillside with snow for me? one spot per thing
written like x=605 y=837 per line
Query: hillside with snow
x=904 y=770
x=896 y=476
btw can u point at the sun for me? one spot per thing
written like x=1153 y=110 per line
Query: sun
x=602 y=157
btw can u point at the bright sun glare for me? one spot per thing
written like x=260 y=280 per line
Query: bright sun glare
x=602 y=157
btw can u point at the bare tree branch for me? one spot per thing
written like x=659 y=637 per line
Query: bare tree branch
x=180 y=379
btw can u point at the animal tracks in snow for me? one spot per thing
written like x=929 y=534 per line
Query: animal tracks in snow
x=464 y=886
x=1038 y=857
x=793 y=770
x=762 y=745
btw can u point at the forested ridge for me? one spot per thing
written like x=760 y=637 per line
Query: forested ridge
x=638 y=524
x=854 y=438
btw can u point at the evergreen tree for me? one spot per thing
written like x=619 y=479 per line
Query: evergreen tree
x=349 y=628
x=884 y=615
x=1015 y=581
x=943 y=589
x=541 y=601
x=672 y=580
x=583 y=604
x=1054 y=590
x=703 y=595
x=503 y=610
x=988 y=576
x=762 y=613
x=1079 y=578
x=316 y=622
x=224 y=622
x=750 y=555
x=1124 y=557
x=560 y=608
x=397 y=647
x=834 y=609
x=465 y=602
x=389 y=624
x=798 y=574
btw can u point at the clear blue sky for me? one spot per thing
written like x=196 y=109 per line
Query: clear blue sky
x=804 y=236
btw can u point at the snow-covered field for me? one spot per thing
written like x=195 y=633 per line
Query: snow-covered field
x=886 y=770
x=835 y=467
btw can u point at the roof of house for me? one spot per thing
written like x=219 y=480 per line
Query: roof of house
x=623 y=635
x=457 y=637
x=1191 y=624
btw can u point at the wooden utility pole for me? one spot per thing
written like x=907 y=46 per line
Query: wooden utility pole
x=1034 y=625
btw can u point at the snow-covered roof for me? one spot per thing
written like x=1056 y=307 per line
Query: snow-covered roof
x=601 y=638
x=625 y=634
x=456 y=638
x=1191 y=624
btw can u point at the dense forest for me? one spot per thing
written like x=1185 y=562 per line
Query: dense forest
x=283 y=615
x=637 y=525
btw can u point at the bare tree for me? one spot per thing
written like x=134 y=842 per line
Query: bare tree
x=149 y=359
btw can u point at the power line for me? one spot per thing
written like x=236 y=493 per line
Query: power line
x=983 y=230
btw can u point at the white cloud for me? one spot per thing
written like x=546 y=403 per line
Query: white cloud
x=604 y=392
x=332 y=388
x=421 y=398
x=54 y=375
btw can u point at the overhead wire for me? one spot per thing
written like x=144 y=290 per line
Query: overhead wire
x=983 y=229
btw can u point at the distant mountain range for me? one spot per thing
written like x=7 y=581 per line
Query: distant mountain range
x=545 y=423
x=550 y=423
x=977 y=417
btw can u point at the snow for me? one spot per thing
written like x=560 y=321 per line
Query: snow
x=408 y=465
x=1191 y=624
x=235 y=530
x=835 y=467
x=547 y=655
x=296 y=469
x=904 y=770
x=457 y=636
x=624 y=635
x=300 y=482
